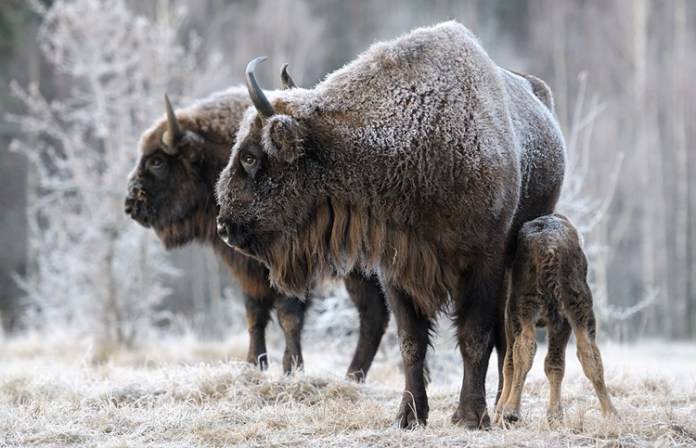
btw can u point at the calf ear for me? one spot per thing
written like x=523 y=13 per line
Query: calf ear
x=283 y=138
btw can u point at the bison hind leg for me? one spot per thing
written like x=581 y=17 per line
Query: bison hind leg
x=367 y=295
x=476 y=311
x=414 y=337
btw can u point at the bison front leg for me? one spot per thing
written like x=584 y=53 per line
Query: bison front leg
x=291 y=312
x=366 y=294
x=414 y=337
x=258 y=312
x=476 y=318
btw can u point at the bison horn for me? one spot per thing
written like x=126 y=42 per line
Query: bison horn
x=173 y=132
x=285 y=78
x=263 y=106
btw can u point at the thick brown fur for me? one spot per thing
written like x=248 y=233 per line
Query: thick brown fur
x=175 y=196
x=418 y=161
x=549 y=287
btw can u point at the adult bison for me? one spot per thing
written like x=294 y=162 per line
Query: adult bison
x=417 y=161
x=172 y=191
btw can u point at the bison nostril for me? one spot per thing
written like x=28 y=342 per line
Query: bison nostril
x=128 y=207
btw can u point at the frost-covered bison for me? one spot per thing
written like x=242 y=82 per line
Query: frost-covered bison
x=418 y=161
x=172 y=191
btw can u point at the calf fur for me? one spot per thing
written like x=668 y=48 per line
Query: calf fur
x=549 y=288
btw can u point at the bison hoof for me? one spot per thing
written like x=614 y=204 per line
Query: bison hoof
x=260 y=361
x=471 y=419
x=356 y=375
x=412 y=413
x=292 y=363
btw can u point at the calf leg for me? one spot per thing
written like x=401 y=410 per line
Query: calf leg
x=508 y=370
x=258 y=312
x=366 y=294
x=414 y=338
x=501 y=342
x=523 y=350
x=291 y=312
x=554 y=366
x=591 y=361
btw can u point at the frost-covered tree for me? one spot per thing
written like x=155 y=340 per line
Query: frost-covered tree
x=93 y=271
x=588 y=212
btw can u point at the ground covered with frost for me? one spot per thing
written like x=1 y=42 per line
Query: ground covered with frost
x=185 y=393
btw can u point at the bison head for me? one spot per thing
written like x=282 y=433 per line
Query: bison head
x=269 y=185
x=171 y=188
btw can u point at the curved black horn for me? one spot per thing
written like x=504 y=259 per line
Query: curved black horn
x=173 y=132
x=285 y=78
x=263 y=106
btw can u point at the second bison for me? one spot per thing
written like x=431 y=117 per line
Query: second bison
x=171 y=190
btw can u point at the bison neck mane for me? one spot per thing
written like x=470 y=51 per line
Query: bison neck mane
x=198 y=222
x=340 y=237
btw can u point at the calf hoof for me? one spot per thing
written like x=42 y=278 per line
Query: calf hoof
x=497 y=419
x=610 y=411
x=511 y=415
x=554 y=416
x=472 y=419
x=412 y=413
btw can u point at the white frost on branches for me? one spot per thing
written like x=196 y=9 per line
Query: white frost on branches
x=588 y=211
x=93 y=271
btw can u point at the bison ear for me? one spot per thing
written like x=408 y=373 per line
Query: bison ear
x=192 y=145
x=283 y=138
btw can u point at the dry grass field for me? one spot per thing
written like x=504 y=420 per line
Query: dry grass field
x=188 y=393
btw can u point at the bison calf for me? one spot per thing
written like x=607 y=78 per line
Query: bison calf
x=549 y=288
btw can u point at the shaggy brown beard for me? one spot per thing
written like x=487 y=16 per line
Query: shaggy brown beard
x=198 y=225
x=340 y=237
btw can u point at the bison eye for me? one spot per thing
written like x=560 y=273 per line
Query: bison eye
x=156 y=162
x=248 y=159
x=250 y=163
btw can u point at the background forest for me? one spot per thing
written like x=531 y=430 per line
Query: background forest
x=108 y=340
x=81 y=80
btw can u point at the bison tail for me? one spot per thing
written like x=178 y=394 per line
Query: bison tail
x=549 y=275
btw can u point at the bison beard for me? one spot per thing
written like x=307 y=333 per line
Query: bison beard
x=418 y=161
x=180 y=206
x=340 y=236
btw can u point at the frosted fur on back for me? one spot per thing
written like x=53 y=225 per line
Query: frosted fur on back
x=216 y=117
